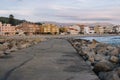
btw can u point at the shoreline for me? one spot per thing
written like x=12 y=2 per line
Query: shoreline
x=60 y=36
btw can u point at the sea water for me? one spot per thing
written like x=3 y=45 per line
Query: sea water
x=113 y=40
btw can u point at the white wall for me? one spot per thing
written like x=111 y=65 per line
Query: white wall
x=74 y=29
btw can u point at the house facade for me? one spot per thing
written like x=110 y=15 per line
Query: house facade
x=75 y=29
x=30 y=28
x=7 y=30
x=89 y=30
x=99 y=29
x=86 y=30
x=49 y=29
x=116 y=29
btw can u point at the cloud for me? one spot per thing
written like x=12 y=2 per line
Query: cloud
x=18 y=12
x=63 y=10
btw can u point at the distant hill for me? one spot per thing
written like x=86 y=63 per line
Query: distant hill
x=88 y=24
x=101 y=24
x=6 y=20
x=58 y=23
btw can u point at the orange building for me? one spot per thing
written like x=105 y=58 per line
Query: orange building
x=7 y=30
x=30 y=28
x=49 y=29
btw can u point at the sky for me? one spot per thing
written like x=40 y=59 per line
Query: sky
x=65 y=11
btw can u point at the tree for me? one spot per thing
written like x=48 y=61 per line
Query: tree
x=38 y=23
x=11 y=20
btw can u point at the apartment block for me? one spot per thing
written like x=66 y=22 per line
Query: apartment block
x=49 y=29
x=7 y=30
x=30 y=28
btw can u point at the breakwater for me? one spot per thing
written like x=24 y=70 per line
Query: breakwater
x=103 y=58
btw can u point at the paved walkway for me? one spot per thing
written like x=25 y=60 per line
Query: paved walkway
x=54 y=59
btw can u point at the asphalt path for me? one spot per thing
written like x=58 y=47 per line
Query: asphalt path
x=54 y=59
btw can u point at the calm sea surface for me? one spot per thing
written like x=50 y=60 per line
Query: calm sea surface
x=114 y=40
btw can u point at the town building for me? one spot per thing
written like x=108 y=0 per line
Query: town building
x=49 y=29
x=116 y=29
x=19 y=31
x=86 y=30
x=99 y=29
x=89 y=30
x=108 y=29
x=75 y=29
x=30 y=28
x=81 y=28
x=7 y=30
x=92 y=31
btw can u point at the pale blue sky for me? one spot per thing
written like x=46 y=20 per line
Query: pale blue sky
x=63 y=10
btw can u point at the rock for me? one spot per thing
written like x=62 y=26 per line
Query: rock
x=114 y=52
x=25 y=45
x=114 y=59
x=110 y=48
x=103 y=58
x=76 y=44
x=13 y=49
x=109 y=76
x=103 y=66
x=91 y=59
x=91 y=56
x=7 y=52
x=3 y=47
x=2 y=53
x=102 y=51
x=6 y=44
x=99 y=57
x=84 y=42
x=85 y=50
x=94 y=44
x=106 y=50
x=117 y=70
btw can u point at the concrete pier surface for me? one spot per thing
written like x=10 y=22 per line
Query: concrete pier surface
x=54 y=59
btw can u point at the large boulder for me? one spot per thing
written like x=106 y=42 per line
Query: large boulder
x=117 y=70
x=99 y=57
x=4 y=46
x=84 y=50
x=91 y=56
x=114 y=52
x=94 y=44
x=25 y=45
x=103 y=66
x=112 y=75
x=114 y=59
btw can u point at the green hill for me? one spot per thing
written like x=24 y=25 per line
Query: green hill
x=6 y=20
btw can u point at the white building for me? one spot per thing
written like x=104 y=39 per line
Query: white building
x=108 y=29
x=89 y=30
x=92 y=31
x=118 y=28
x=86 y=30
x=74 y=29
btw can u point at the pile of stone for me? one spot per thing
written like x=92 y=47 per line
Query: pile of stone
x=11 y=45
x=103 y=58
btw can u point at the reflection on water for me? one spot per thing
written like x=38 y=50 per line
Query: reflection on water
x=114 y=40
